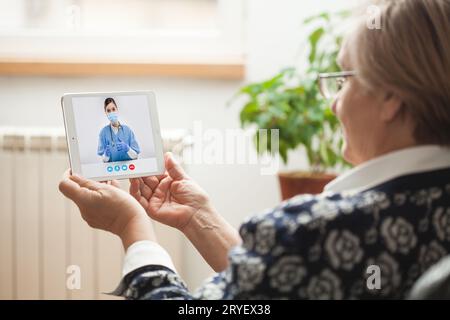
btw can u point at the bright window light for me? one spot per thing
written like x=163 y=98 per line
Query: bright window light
x=121 y=29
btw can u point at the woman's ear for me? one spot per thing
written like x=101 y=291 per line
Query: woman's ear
x=390 y=107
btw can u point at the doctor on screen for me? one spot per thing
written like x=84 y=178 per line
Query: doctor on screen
x=116 y=141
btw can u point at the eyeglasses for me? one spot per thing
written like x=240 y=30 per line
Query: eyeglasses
x=331 y=83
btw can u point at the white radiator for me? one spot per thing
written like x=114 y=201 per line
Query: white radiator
x=42 y=233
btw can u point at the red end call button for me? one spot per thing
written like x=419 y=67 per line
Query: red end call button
x=131 y=166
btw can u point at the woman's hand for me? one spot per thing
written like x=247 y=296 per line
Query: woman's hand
x=108 y=151
x=104 y=206
x=122 y=147
x=173 y=198
x=176 y=200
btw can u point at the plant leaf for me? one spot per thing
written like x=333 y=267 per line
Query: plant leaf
x=314 y=38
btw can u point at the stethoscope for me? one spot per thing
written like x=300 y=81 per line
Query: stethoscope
x=113 y=141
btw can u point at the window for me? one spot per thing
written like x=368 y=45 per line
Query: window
x=121 y=30
x=108 y=15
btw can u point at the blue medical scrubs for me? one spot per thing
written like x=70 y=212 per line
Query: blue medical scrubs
x=108 y=137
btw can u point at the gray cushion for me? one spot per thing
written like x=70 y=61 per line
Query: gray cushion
x=434 y=284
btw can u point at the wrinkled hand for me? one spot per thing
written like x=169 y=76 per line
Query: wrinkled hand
x=104 y=206
x=172 y=198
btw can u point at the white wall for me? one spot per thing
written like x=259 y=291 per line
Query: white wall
x=273 y=40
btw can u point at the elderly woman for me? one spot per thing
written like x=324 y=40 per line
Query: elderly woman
x=389 y=217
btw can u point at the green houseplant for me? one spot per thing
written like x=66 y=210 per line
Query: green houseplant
x=291 y=102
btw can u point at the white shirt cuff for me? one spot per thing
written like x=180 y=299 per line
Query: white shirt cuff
x=144 y=253
x=132 y=154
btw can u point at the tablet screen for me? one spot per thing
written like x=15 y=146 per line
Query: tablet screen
x=114 y=135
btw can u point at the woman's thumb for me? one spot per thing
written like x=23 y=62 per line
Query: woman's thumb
x=86 y=183
x=173 y=168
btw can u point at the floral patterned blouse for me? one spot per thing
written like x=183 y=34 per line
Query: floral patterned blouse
x=320 y=247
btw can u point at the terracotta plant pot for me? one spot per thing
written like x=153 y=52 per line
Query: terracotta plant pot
x=299 y=182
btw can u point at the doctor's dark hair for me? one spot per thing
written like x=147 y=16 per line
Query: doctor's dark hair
x=108 y=101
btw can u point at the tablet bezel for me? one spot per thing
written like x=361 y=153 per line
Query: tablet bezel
x=72 y=141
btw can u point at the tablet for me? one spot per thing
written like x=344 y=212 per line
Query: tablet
x=113 y=135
